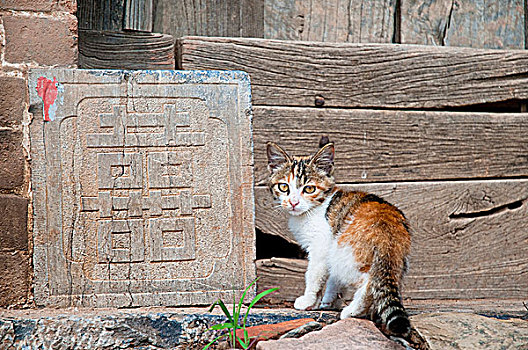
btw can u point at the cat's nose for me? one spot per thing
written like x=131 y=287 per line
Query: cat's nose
x=294 y=203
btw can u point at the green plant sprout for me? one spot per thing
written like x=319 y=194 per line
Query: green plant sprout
x=233 y=319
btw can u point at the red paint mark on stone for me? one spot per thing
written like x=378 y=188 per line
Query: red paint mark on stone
x=47 y=90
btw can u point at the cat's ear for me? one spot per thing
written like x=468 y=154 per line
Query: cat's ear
x=277 y=157
x=324 y=141
x=324 y=159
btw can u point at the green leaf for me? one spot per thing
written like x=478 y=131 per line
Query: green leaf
x=221 y=326
x=220 y=303
x=212 y=341
x=256 y=299
x=246 y=335
x=242 y=343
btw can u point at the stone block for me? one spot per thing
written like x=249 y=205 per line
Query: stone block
x=12 y=160
x=13 y=223
x=14 y=285
x=43 y=40
x=455 y=330
x=12 y=101
x=39 y=5
x=350 y=333
x=140 y=328
x=272 y=331
x=142 y=187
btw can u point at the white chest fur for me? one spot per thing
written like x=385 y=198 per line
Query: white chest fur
x=311 y=230
x=314 y=234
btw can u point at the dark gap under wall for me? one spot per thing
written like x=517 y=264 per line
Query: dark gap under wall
x=271 y=246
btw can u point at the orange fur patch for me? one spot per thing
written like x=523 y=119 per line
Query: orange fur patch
x=381 y=227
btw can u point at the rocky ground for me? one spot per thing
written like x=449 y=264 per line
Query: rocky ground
x=165 y=328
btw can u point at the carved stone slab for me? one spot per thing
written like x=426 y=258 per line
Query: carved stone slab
x=142 y=187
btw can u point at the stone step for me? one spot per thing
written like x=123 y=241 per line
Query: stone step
x=455 y=330
x=351 y=333
x=141 y=328
x=188 y=328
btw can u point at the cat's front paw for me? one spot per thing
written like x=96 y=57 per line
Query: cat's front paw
x=304 y=302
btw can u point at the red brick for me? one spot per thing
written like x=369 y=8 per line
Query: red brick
x=12 y=100
x=12 y=160
x=39 y=5
x=272 y=331
x=13 y=223
x=14 y=284
x=49 y=41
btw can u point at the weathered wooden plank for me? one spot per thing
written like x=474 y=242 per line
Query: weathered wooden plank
x=492 y=24
x=293 y=73
x=126 y=50
x=374 y=145
x=210 y=18
x=288 y=274
x=470 y=238
x=331 y=21
x=100 y=14
x=138 y=15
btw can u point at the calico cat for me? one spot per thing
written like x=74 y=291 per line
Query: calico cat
x=353 y=239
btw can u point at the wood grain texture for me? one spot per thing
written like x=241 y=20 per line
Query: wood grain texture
x=331 y=21
x=288 y=274
x=374 y=145
x=232 y=18
x=293 y=73
x=100 y=14
x=125 y=50
x=470 y=238
x=492 y=24
x=138 y=15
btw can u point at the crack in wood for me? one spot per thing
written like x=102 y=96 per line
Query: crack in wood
x=508 y=77
x=396 y=36
x=448 y=23
x=489 y=212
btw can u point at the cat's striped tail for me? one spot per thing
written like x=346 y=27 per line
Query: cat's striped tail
x=387 y=306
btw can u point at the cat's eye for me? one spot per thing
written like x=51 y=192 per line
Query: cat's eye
x=309 y=189
x=283 y=187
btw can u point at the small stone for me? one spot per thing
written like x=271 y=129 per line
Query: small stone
x=469 y=331
x=302 y=330
x=350 y=333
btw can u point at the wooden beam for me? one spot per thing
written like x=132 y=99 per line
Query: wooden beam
x=293 y=73
x=138 y=15
x=374 y=145
x=470 y=238
x=100 y=14
x=125 y=50
x=210 y=18
x=330 y=21
x=491 y=24
x=288 y=274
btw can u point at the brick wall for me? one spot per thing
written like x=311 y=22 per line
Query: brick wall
x=33 y=33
